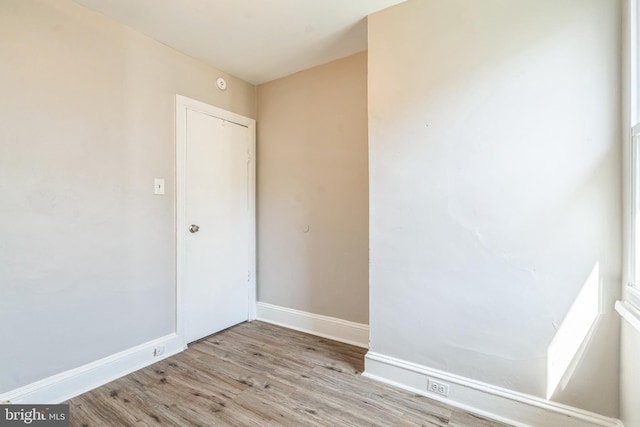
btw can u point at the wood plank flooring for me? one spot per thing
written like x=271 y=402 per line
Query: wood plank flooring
x=257 y=374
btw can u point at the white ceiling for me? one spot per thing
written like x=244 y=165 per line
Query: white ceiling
x=256 y=40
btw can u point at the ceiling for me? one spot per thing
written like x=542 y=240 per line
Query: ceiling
x=256 y=40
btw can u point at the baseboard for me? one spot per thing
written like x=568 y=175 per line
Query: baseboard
x=324 y=326
x=66 y=385
x=493 y=402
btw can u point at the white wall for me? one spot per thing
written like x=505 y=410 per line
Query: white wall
x=629 y=376
x=87 y=258
x=495 y=191
x=313 y=190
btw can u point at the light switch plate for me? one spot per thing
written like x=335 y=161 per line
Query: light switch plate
x=158 y=186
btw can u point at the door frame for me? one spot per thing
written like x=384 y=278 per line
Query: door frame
x=182 y=105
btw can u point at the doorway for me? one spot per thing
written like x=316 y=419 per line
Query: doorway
x=215 y=218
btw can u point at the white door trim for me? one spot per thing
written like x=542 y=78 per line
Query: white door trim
x=182 y=105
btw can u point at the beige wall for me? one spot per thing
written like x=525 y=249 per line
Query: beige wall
x=312 y=190
x=87 y=251
x=494 y=146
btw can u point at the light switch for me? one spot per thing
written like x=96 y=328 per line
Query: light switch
x=158 y=186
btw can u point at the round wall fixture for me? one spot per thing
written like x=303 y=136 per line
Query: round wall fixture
x=221 y=83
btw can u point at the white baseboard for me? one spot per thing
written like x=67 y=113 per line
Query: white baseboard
x=66 y=385
x=324 y=326
x=493 y=402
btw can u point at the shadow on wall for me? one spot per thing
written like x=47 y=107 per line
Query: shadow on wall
x=572 y=339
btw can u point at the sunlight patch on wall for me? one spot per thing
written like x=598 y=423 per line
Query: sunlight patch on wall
x=568 y=345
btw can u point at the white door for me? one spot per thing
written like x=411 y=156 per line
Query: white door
x=217 y=218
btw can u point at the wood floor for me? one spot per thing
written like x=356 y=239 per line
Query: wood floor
x=257 y=374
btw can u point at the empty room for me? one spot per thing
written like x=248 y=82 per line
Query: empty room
x=305 y=212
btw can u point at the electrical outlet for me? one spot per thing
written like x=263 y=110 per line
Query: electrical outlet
x=438 y=387
x=158 y=350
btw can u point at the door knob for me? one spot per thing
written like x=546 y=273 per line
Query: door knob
x=194 y=228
